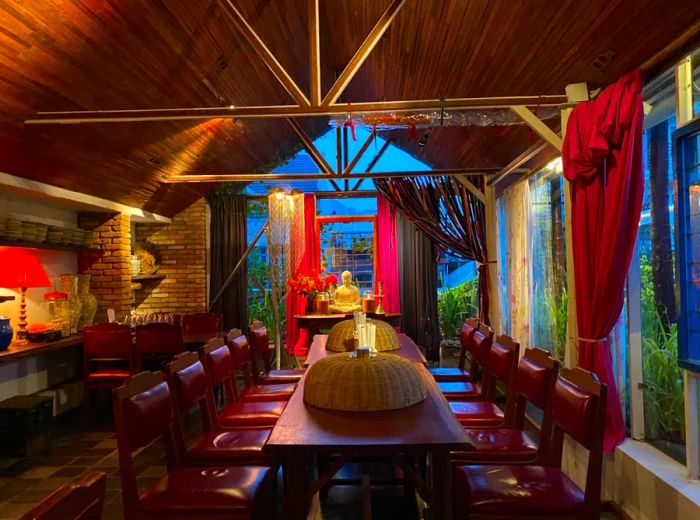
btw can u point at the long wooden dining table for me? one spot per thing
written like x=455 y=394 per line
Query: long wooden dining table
x=407 y=349
x=427 y=428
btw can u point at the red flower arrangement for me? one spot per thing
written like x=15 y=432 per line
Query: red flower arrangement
x=312 y=282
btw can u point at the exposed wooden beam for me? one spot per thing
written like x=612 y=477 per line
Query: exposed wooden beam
x=262 y=111
x=515 y=164
x=472 y=189
x=314 y=53
x=373 y=163
x=253 y=177
x=265 y=54
x=359 y=153
x=365 y=49
x=313 y=152
x=537 y=125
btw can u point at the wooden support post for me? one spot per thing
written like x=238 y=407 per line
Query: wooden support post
x=492 y=257
x=470 y=186
x=571 y=355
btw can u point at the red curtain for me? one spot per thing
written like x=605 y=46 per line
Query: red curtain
x=299 y=340
x=387 y=255
x=602 y=157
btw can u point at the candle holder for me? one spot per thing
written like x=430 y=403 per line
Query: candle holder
x=379 y=297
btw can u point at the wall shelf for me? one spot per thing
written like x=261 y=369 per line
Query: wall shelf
x=44 y=245
x=142 y=277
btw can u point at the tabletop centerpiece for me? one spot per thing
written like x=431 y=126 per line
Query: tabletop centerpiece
x=311 y=284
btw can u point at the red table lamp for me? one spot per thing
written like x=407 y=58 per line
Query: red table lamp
x=20 y=269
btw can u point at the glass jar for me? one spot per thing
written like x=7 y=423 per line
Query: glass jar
x=322 y=303
x=58 y=309
x=368 y=302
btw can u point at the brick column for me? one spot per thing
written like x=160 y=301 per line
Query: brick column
x=180 y=249
x=111 y=280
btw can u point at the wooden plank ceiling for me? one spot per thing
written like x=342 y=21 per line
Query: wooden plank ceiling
x=130 y=54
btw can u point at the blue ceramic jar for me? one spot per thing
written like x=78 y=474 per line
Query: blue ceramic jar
x=6 y=333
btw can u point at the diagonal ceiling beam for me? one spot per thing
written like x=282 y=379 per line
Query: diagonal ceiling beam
x=373 y=163
x=265 y=54
x=537 y=125
x=314 y=53
x=472 y=189
x=515 y=164
x=359 y=153
x=312 y=150
x=361 y=55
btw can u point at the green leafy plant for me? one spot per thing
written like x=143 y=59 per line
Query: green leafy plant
x=557 y=303
x=455 y=304
x=260 y=306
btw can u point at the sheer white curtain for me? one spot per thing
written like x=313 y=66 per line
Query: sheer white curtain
x=516 y=204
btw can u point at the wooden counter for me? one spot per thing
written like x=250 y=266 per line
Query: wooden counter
x=16 y=352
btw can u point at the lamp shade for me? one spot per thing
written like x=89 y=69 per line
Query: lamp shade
x=21 y=269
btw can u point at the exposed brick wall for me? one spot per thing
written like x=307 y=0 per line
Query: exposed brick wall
x=180 y=249
x=110 y=281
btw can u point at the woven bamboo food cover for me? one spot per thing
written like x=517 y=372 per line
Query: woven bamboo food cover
x=342 y=382
x=340 y=338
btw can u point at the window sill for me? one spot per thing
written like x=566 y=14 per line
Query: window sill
x=666 y=469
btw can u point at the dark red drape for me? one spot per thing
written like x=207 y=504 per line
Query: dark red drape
x=602 y=157
x=299 y=340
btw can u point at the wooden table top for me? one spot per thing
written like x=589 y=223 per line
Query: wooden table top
x=15 y=352
x=427 y=425
x=408 y=349
x=200 y=338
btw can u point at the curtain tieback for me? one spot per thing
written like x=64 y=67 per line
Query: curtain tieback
x=588 y=340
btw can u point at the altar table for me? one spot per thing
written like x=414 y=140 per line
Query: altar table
x=326 y=321
x=427 y=427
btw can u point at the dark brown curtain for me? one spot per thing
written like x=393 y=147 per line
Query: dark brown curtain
x=228 y=243
x=453 y=217
x=418 y=285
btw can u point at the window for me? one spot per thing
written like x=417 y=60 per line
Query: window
x=549 y=296
x=458 y=293
x=347 y=243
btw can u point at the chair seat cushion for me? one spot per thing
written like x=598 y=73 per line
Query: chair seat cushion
x=229 y=446
x=220 y=489
x=281 y=392
x=292 y=375
x=108 y=375
x=477 y=414
x=450 y=374
x=497 y=445
x=251 y=413
x=515 y=491
x=460 y=390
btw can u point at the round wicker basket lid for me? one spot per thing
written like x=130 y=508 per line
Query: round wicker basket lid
x=340 y=338
x=344 y=382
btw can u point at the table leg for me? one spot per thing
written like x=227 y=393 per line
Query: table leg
x=441 y=484
x=295 y=505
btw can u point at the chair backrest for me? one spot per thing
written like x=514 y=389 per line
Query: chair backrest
x=159 y=338
x=78 y=500
x=218 y=365
x=534 y=383
x=202 y=322
x=240 y=352
x=259 y=343
x=466 y=336
x=189 y=388
x=501 y=365
x=143 y=413
x=578 y=410
x=108 y=340
x=479 y=349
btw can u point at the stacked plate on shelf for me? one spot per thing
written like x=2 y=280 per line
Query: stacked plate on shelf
x=13 y=229
x=54 y=235
x=89 y=239
x=3 y=224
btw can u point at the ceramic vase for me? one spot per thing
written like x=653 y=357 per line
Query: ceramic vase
x=88 y=301
x=6 y=333
x=69 y=284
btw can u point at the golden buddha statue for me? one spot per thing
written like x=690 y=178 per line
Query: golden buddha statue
x=347 y=296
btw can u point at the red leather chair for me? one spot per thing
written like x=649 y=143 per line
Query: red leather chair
x=260 y=360
x=158 y=342
x=535 y=379
x=544 y=491
x=79 y=500
x=471 y=390
x=240 y=352
x=203 y=323
x=218 y=365
x=501 y=366
x=143 y=412
x=189 y=387
x=108 y=356
x=459 y=373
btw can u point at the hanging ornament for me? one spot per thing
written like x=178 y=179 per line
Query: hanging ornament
x=350 y=123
